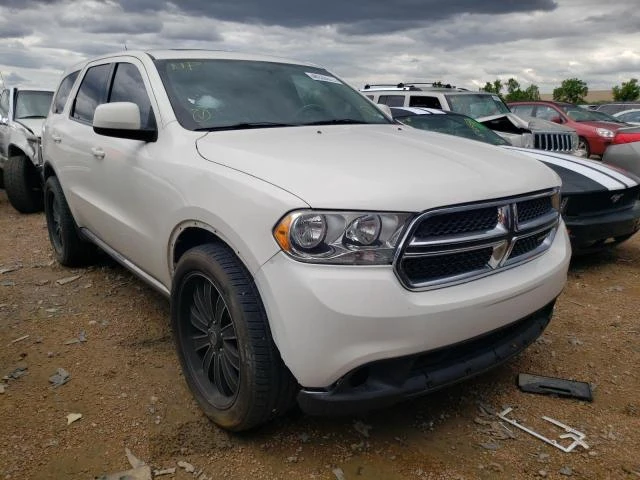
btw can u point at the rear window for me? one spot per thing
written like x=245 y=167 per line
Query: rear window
x=63 y=92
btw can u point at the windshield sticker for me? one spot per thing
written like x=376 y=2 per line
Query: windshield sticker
x=190 y=66
x=323 y=78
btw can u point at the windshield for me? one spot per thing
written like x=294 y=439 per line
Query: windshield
x=476 y=105
x=452 y=124
x=581 y=115
x=234 y=94
x=32 y=104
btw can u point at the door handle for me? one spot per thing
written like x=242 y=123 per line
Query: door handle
x=98 y=152
x=56 y=138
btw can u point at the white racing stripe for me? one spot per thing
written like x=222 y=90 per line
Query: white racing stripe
x=420 y=110
x=582 y=167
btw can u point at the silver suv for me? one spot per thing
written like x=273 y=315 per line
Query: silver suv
x=22 y=112
x=487 y=108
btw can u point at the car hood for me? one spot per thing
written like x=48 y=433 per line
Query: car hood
x=608 y=125
x=33 y=124
x=525 y=123
x=580 y=175
x=382 y=167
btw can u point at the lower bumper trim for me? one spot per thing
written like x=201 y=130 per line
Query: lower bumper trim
x=386 y=382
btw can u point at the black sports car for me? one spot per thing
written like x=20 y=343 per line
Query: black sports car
x=600 y=204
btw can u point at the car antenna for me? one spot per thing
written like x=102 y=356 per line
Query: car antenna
x=125 y=46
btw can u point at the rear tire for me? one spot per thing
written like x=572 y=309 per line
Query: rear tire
x=23 y=185
x=221 y=330
x=69 y=248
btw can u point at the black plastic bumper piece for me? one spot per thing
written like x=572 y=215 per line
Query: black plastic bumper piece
x=588 y=231
x=386 y=382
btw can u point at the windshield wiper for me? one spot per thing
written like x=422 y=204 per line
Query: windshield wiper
x=337 y=121
x=244 y=126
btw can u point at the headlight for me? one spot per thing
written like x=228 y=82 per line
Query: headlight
x=575 y=140
x=341 y=238
x=556 y=201
x=603 y=132
x=527 y=140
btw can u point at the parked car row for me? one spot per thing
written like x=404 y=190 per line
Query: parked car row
x=313 y=248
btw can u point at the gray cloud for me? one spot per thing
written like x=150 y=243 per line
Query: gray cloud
x=378 y=15
x=124 y=24
x=13 y=78
x=12 y=30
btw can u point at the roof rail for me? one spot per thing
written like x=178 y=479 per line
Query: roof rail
x=411 y=85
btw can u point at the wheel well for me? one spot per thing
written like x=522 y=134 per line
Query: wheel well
x=192 y=237
x=16 y=151
x=48 y=171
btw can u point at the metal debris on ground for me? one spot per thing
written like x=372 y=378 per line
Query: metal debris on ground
x=59 y=378
x=11 y=268
x=186 y=466
x=166 y=471
x=7 y=283
x=133 y=460
x=140 y=473
x=64 y=281
x=339 y=474
x=555 y=386
x=73 y=417
x=81 y=338
x=575 y=435
x=20 y=370
x=19 y=339
x=2 y=386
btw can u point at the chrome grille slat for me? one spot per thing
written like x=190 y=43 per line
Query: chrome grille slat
x=553 y=142
x=523 y=227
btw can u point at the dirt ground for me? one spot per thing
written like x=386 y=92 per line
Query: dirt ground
x=126 y=383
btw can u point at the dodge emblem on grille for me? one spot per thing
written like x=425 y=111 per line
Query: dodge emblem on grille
x=616 y=198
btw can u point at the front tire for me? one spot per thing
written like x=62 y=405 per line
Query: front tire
x=69 y=248
x=224 y=343
x=22 y=184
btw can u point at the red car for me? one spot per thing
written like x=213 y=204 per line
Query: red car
x=595 y=129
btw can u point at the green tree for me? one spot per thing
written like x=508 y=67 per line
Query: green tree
x=495 y=87
x=516 y=94
x=627 y=92
x=572 y=90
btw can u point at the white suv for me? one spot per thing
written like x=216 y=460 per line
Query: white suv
x=22 y=111
x=486 y=108
x=310 y=246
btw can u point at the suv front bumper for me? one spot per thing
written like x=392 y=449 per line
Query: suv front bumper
x=328 y=320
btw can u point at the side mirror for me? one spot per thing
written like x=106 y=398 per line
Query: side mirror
x=121 y=120
x=557 y=119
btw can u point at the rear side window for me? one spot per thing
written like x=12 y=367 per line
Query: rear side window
x=524 y=110
x=92 y=92
x=392 y=100
x=4 y=103
x=128 y=86
x=429 y=102
x=63 y=92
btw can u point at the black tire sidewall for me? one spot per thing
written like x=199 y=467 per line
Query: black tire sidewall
x=22 y=185
x=197 y=260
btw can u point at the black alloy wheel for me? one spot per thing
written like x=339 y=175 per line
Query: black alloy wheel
x=209 y=340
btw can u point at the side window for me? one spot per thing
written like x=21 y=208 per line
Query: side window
x=546 y=113
x=4 y=103
x=92 y=92
x=370 y=97
x=421 y=101
x=128 y=86
x=524 y=110
x=392 y=100
x=63 y=92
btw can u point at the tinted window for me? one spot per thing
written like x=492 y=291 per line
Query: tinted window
x=208 y=94
x=524 y=110
x=63 y=92
x=430 y=102
x=92 y=93
x=4 y=103
x=128 y=86
x=546 y=113
x=392 y=100
x=457 y=125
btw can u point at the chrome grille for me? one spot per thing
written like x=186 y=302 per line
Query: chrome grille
x=453 y=245
x=553 y=141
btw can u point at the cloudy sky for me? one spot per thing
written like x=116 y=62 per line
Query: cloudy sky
x=463 y=42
